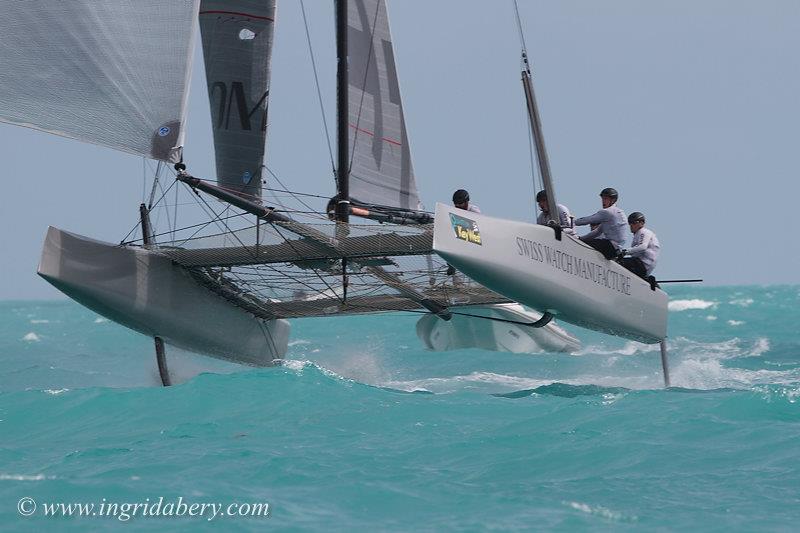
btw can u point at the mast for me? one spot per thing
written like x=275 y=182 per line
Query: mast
x=342 y=113
x=538 y=140
x=536 y=127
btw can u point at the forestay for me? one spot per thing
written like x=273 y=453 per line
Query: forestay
x=108 y=73
x=381 y=171
x=237 y=46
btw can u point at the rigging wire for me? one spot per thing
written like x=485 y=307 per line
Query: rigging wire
x=521 y=38
x=137 y=225
x=175 y=217
x=271 y=173
x=538 y=185
x=319 y=90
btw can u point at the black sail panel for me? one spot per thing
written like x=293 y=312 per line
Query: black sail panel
x=237 y=46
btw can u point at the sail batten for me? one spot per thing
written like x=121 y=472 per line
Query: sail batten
x=381 y=172
x=108 y=73
x=237 y=47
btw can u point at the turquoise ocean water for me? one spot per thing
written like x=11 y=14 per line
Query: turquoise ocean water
x=364 y=430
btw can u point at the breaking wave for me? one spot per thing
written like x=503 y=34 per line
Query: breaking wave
x=684 y=305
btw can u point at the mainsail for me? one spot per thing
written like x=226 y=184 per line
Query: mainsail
x=108 y=73
x=381 y=171
x=237 y=46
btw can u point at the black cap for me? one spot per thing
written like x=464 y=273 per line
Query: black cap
x=611 y=192
x=636 y=216
x=541 y=195
x=460 y=196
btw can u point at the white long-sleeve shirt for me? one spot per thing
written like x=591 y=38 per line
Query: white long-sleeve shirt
x=472 y=208
x=612 y=225
x=563 y=215
x=645 y=246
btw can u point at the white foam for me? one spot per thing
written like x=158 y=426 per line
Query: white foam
x=22 y=477
x=711 y=374
x=683 y=305
x=711 y=317
x=296 y=365
x=707 y=350
x=31 y=337
x=452 y=383
x=596 y=510
x=630 y=348
x=39 y=321
x=299 y=342
x=55 y=392
x=742 y=302
x=761 y=346
x=735 y=322
x=100 y=320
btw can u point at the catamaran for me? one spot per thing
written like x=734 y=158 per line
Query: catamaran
x=116 y=74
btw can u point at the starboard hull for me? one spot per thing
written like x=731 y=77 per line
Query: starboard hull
x=502 y=332
x=525 y=262
x=148 y=293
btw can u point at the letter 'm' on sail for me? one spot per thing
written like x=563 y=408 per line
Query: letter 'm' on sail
x=237 y=47
x=108 y=73
x=381 y=172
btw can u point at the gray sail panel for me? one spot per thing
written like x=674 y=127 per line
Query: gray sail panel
x=381 y=171
x=107 y=73
x=237 y=46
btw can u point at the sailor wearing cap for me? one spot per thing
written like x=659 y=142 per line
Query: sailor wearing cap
x=644 y=249
x=461 y=201
x=544 y=217
x=609 y=235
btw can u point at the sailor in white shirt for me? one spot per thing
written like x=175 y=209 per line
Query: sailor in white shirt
x=609 y=235
x=643 y=253
x=461 y=201
x=544 y=217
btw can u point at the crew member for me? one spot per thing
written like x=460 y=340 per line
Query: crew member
x=544 y=217
x=461 y=201
x=641 y=257
x=609 y=236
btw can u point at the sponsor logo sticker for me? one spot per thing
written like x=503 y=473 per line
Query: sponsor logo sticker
x=466 y=229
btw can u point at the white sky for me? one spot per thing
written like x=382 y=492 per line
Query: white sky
x=691 y=109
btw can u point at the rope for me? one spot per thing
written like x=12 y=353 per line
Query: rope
x=319 y=91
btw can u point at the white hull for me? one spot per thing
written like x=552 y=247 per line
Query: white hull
x=567 y=278
x=146 y=292
x=500 y=334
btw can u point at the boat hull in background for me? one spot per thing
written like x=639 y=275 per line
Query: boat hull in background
x=145 y=291
x=526 y=263
x=503 y=332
